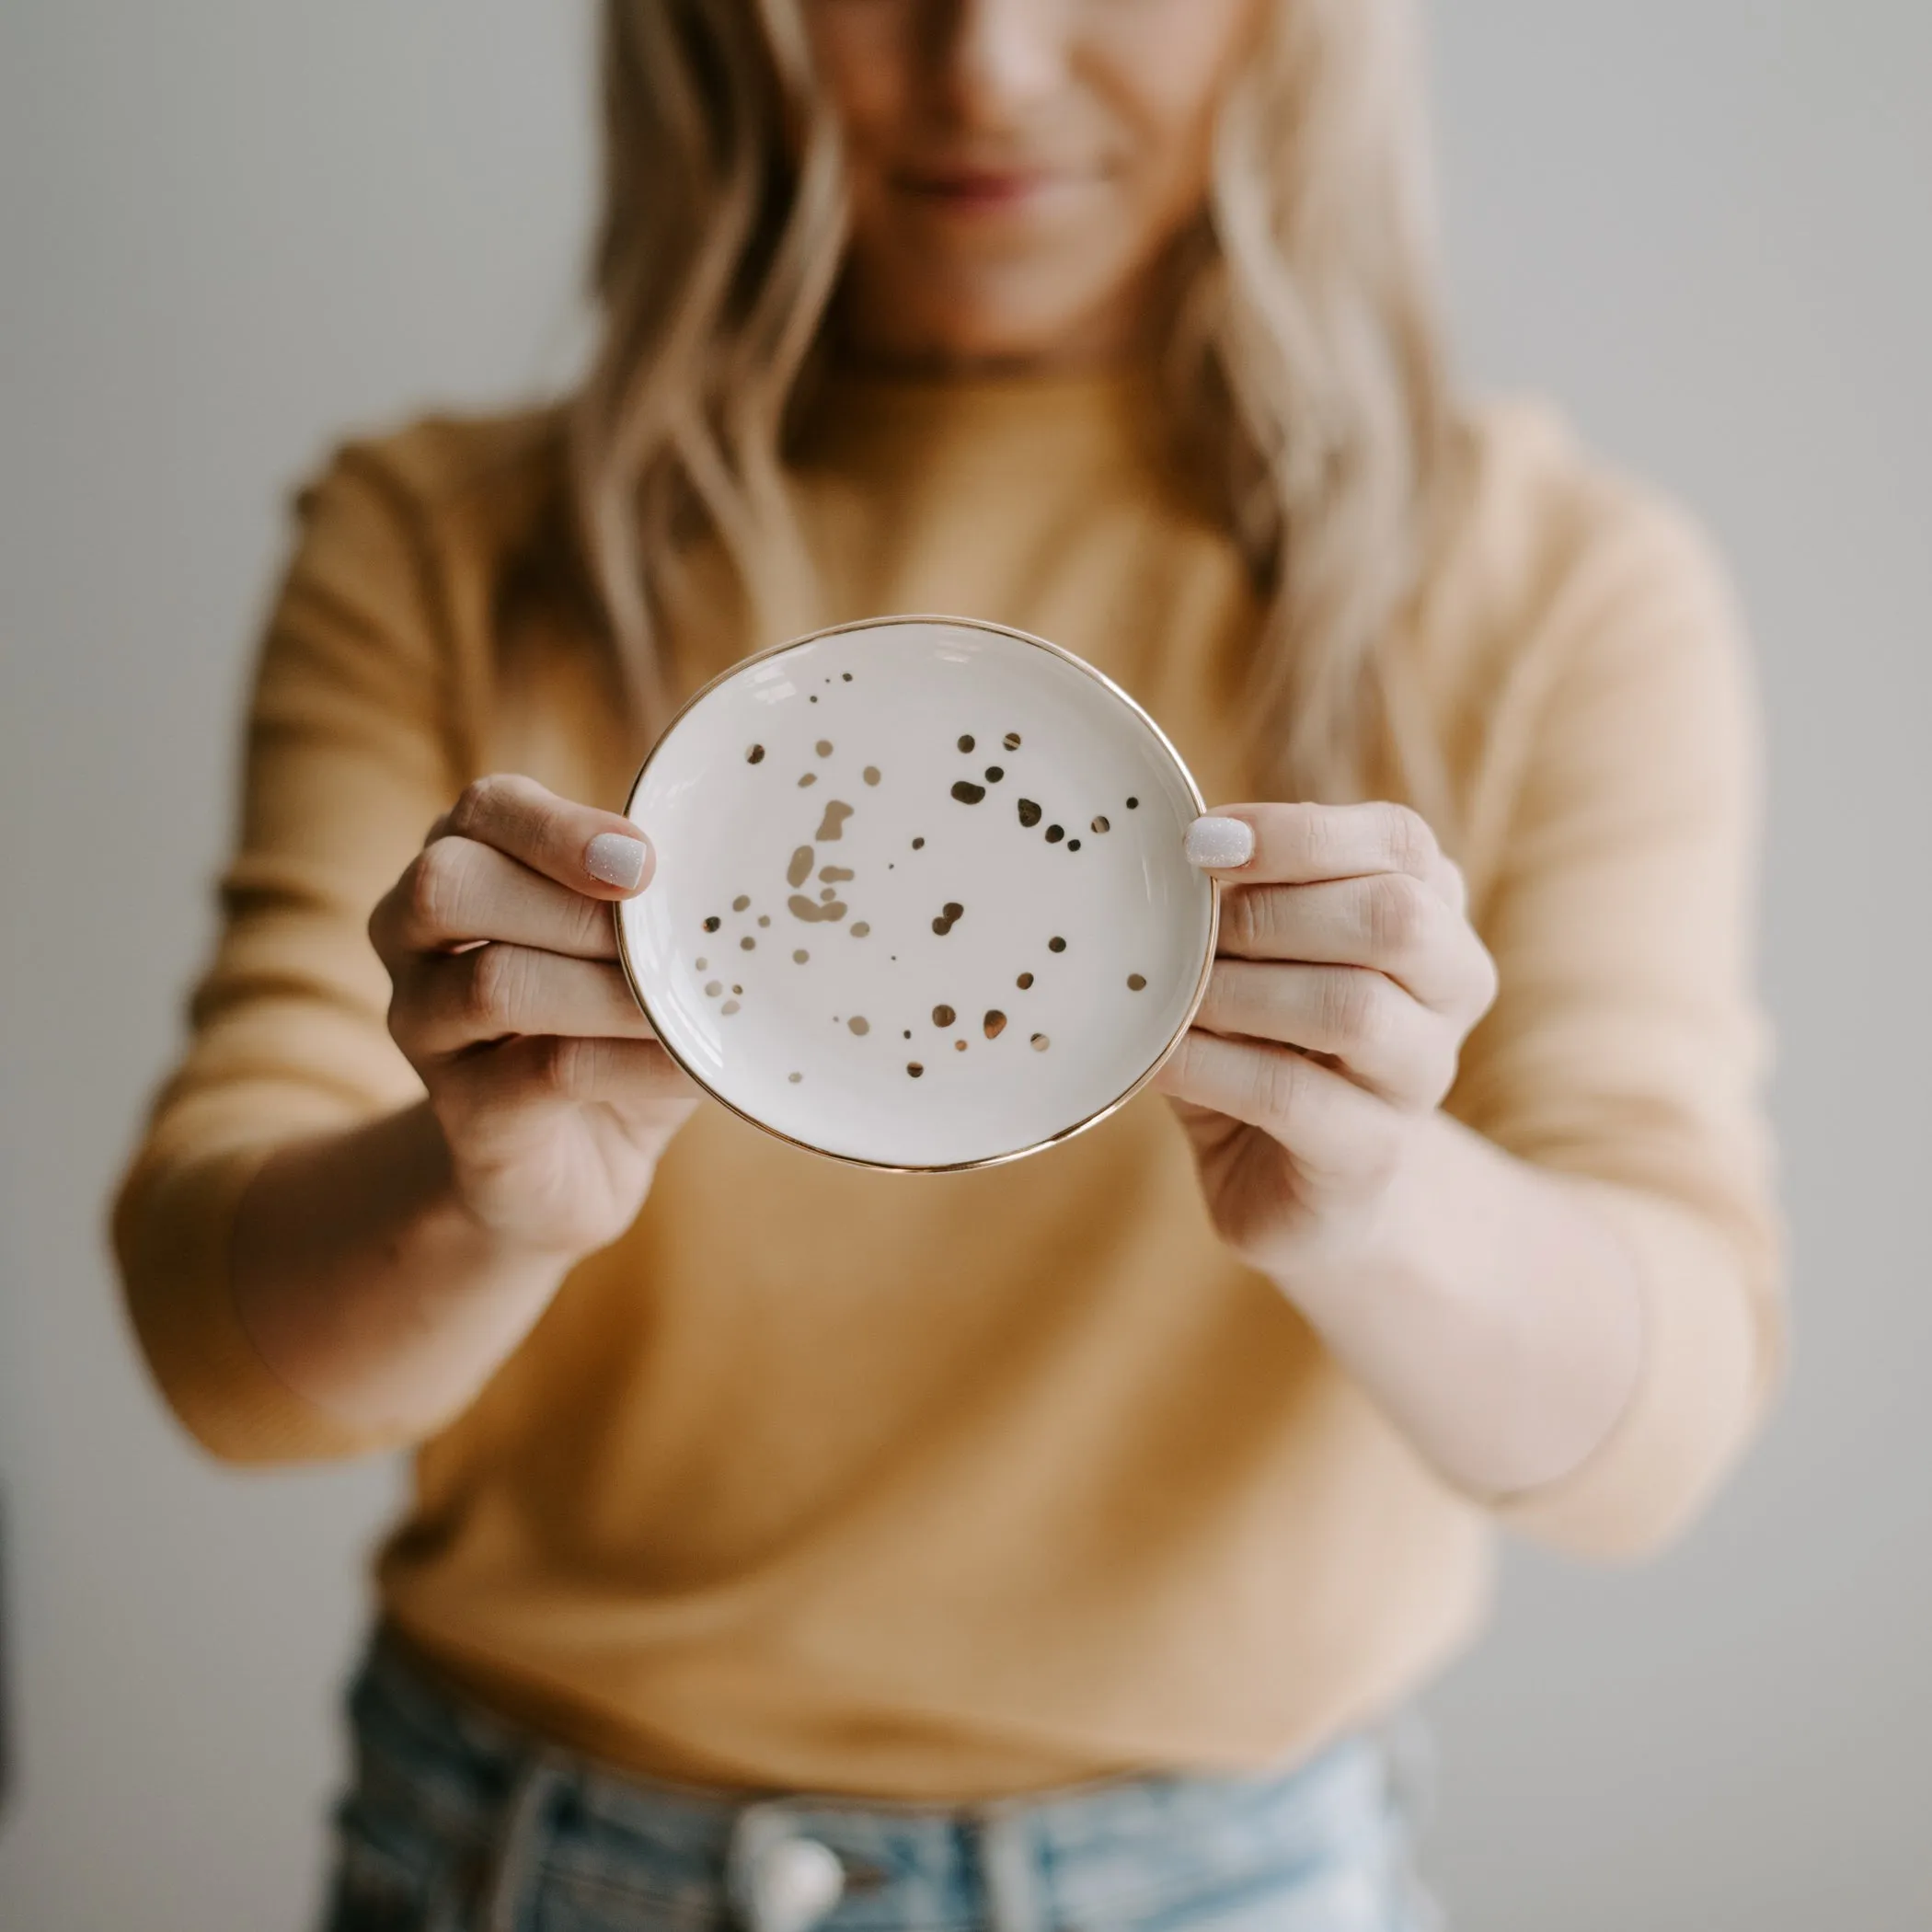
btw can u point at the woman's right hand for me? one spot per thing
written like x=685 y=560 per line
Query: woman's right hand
x=551 y=1091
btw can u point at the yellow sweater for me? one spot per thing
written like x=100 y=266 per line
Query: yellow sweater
x=938 y=1487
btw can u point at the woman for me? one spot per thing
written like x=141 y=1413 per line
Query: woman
x=1051 y=1545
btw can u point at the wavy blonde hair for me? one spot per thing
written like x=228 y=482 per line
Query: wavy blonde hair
x=1304 y=356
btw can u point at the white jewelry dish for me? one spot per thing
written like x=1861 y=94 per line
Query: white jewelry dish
x=920 y=899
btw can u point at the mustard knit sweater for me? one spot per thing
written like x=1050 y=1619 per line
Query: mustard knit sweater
x=938 y=1487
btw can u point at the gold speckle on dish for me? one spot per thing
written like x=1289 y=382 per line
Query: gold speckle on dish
x=995 y=1024
x=742 y=900
x=870 y=775
x=943 y=1016
x=914 y=1068
x=859 y=1024
x=833 y=823
x=1136 y=980
x=809 y=910
x=1011 y=740
x=799 y=869
x=823 y=747
x=1056 y=943
x=731 y=1006
x=1040 y=1043
x=756 y=754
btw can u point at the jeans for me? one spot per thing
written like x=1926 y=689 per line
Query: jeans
x=456 y=1822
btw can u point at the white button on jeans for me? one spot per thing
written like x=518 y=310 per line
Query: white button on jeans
x=796 y=1882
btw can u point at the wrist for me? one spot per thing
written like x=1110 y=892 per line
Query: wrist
x=486 y=1222
x=1379 y=1237
x=367 y=1286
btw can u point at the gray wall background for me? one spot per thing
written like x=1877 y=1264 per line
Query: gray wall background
x=229 y=229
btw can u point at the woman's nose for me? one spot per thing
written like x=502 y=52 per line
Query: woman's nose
x=999 y=58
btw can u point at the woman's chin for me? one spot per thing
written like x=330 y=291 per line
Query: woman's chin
x=962 y=336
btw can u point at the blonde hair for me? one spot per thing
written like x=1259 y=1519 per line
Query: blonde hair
x=1303 y=355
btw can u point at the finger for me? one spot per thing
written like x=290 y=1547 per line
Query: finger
x=1389 y=921
x=457 y=890
x=1384 y=1039
x=452 y=1001
x=1329 y=1125
x=574 y=1072
x=1300 y=844
x=578 y=846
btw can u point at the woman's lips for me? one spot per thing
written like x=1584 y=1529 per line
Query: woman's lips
x=973 y=190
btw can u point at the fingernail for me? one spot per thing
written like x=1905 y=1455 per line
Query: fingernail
x=1219 y=845
x=616 y=860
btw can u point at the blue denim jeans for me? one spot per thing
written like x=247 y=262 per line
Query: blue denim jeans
x=456 y=1822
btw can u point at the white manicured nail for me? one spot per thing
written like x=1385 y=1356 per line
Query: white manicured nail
x=616 y=860
x=1219 y=845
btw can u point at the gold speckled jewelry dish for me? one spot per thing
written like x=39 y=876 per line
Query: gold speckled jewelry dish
x=920 y=898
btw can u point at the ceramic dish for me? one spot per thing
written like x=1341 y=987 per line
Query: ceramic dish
x=920 y=898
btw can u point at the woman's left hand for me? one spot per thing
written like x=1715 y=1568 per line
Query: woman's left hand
x=1347 y=979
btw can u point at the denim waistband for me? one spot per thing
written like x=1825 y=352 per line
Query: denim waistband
x=437 y=1774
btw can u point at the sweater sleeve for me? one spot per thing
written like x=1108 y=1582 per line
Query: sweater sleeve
x=1626 y=1048
x=349 y=758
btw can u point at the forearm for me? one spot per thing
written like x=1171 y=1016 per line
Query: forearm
x=1497 y=1319
x=367 y=1289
